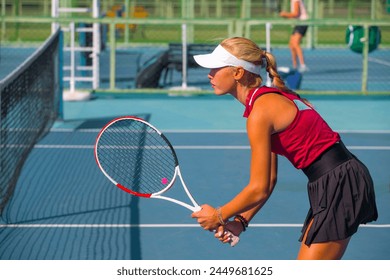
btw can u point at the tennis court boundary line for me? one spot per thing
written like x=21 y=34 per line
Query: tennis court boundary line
x=205 y=147
x=158 y=225
x=97 y=130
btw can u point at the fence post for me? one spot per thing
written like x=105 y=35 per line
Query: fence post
x=365 y=58
x=373 y=9
x=112 y=55
x=312 y=28
x=96 y=45
x=245 y=9
x=128 y=10
x=188 y=7
x=218 y=9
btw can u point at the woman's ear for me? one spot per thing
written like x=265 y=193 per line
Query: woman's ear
x=238 y=73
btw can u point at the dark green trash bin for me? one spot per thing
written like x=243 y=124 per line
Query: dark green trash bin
x=355 y=34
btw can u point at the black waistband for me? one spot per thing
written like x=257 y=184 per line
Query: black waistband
x=328 y=160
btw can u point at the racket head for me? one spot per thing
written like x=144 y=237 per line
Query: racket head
x=136 y=157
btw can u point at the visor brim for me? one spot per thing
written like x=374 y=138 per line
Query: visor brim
x=209 y=61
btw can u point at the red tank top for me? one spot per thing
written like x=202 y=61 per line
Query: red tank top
x=305 y=139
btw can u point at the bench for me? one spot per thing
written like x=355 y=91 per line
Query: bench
x=175 y=54
x=175 y=57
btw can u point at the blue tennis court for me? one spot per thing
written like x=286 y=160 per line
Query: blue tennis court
x=63 y=208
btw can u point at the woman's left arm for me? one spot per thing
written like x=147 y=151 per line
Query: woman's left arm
x=248 y=215
x=262 y=168
x=236 y=226
x=257 y=192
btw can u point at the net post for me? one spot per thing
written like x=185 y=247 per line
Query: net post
x=61 y=75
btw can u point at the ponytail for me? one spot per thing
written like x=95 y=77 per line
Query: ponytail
x=275 y=77
x=273 y=72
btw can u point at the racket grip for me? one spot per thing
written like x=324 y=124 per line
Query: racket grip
x=234 y=239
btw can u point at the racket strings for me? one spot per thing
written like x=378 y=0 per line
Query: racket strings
x=137 y=170
x=136 y=156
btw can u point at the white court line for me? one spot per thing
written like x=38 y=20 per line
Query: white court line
x=379 y=61
x=184 y=131
x=157 y=225
x=44 y=146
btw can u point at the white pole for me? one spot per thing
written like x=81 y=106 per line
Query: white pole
x=96 y=46
x=268 y=27
x=184 y=55
x=72 y=57
x=184 y=87
x=70 y=95
x=310 y=34
x=3 y=22
x=54 y=14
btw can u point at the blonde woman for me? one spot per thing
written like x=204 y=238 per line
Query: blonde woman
x=340 y=188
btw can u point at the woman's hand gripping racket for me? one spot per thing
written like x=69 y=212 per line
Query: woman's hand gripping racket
x=139 y=159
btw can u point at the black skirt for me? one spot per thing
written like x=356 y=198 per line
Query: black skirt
x=341 y=195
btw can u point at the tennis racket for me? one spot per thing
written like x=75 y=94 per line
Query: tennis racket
x=138 y=159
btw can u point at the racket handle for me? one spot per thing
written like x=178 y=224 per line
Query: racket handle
x=234 y=239
x=197 y=208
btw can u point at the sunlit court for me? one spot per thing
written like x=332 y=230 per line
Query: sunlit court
x=71 y=70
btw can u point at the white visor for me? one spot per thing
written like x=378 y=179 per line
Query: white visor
x=221 y=58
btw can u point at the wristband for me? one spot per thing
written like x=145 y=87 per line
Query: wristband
x=244 y=222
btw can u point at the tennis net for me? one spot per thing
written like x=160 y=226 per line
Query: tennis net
x=30 y=102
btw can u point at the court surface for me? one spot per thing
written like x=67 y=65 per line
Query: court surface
x=64 y=208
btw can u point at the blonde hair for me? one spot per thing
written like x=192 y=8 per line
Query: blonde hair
x=246 y=49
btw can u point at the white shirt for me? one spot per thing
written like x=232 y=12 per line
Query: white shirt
x=302 y=10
